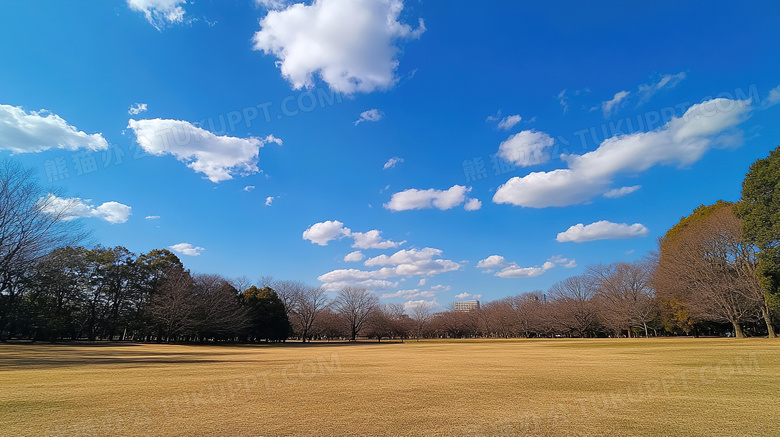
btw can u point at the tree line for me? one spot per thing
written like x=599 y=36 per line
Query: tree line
x=717 y=271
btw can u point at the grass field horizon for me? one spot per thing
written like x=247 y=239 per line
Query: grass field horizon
x=668 y=386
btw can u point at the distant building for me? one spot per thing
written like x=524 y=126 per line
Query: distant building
x=467 y=305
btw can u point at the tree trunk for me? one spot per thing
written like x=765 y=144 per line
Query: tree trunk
x=738 y=330
x=768 y=320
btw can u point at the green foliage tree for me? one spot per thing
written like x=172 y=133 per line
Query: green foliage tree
x=759 y=210
x=267 y=315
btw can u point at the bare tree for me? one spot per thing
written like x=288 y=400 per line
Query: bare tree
x=573 y=309
x=307 y=306
x=355 y=305
x=217 y=312
x=706 y=263
x=421 y=315
x=241 y=283
x=625 y=296
x=289 y=293
x=33 y=222
x=173 y=308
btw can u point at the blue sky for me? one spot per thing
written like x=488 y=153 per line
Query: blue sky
x=492 y=149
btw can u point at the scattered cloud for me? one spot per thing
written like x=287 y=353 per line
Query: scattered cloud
x=272 y=5
x=620 y=192
x=602 y=230
x=355 y=256
x=249 y=188
x=512 y=270
x=509 y=122
x=352 y=45
x=646 y=91
x=218 y=157
x=526 y=148
x=152 y=217
x=74 y=207
x=472 y=205
x=269 y=200
x=408 y=294
x=424 y=262
x=681 y=141
x=186 y=249
x=491 y=262
x=610 y=106
x=324 y=232
x=137 y=109
x=409 y=305
x=372 y=240
x=36 y=131
x=468 y=296
x=370 y=115
x=391 y=164
x=773 y=98
x=423 y=199
x=160 y=13
x=565 y=95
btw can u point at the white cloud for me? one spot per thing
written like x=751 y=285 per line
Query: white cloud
x=408 y=294
x=509 y=122
x=74 y=207
x=152 y=217
x=565 y=95
x=372 y=240
x=392 y=162
x=441 y=288
x=512 y=270
x=160 y=12
x=370 y=115
x=36 y=131
x=404 y=263
x=613 y=104
x=352 y=45
x=137 y=109
x=272 y=5
x=186 y=249
x=681 y=141
x=355 y=256
x=323 y=232
x=468 y=296
x=422 y=282
x=620 y=192
x=422 y=199
x=269 y=200
x=773 y=98
x=526 y=148
x=666 y=81
x=491 y=262
x=409 y=305
x=218 y=157
x=602 y=230
x=472 y=205
x=249 y=188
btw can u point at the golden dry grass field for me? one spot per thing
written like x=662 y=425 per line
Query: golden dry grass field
x=684 y=387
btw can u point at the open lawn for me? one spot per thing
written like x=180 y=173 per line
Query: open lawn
x=458 y=387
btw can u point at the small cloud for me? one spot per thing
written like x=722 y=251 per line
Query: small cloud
x=269 y=200
x=666 y=81
x=355 y=256
x=468 y=296
x=472 y=205
x=773 y=98
x=509 y=122
x=152 y=217
x=186 y=249
x=602 y=230
x=137 y=109
x=613 y=104
x=370 y=115
x=391 y=163
x=249 y=188
x=74 y=207
x=620 y=192
x=422 y=282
